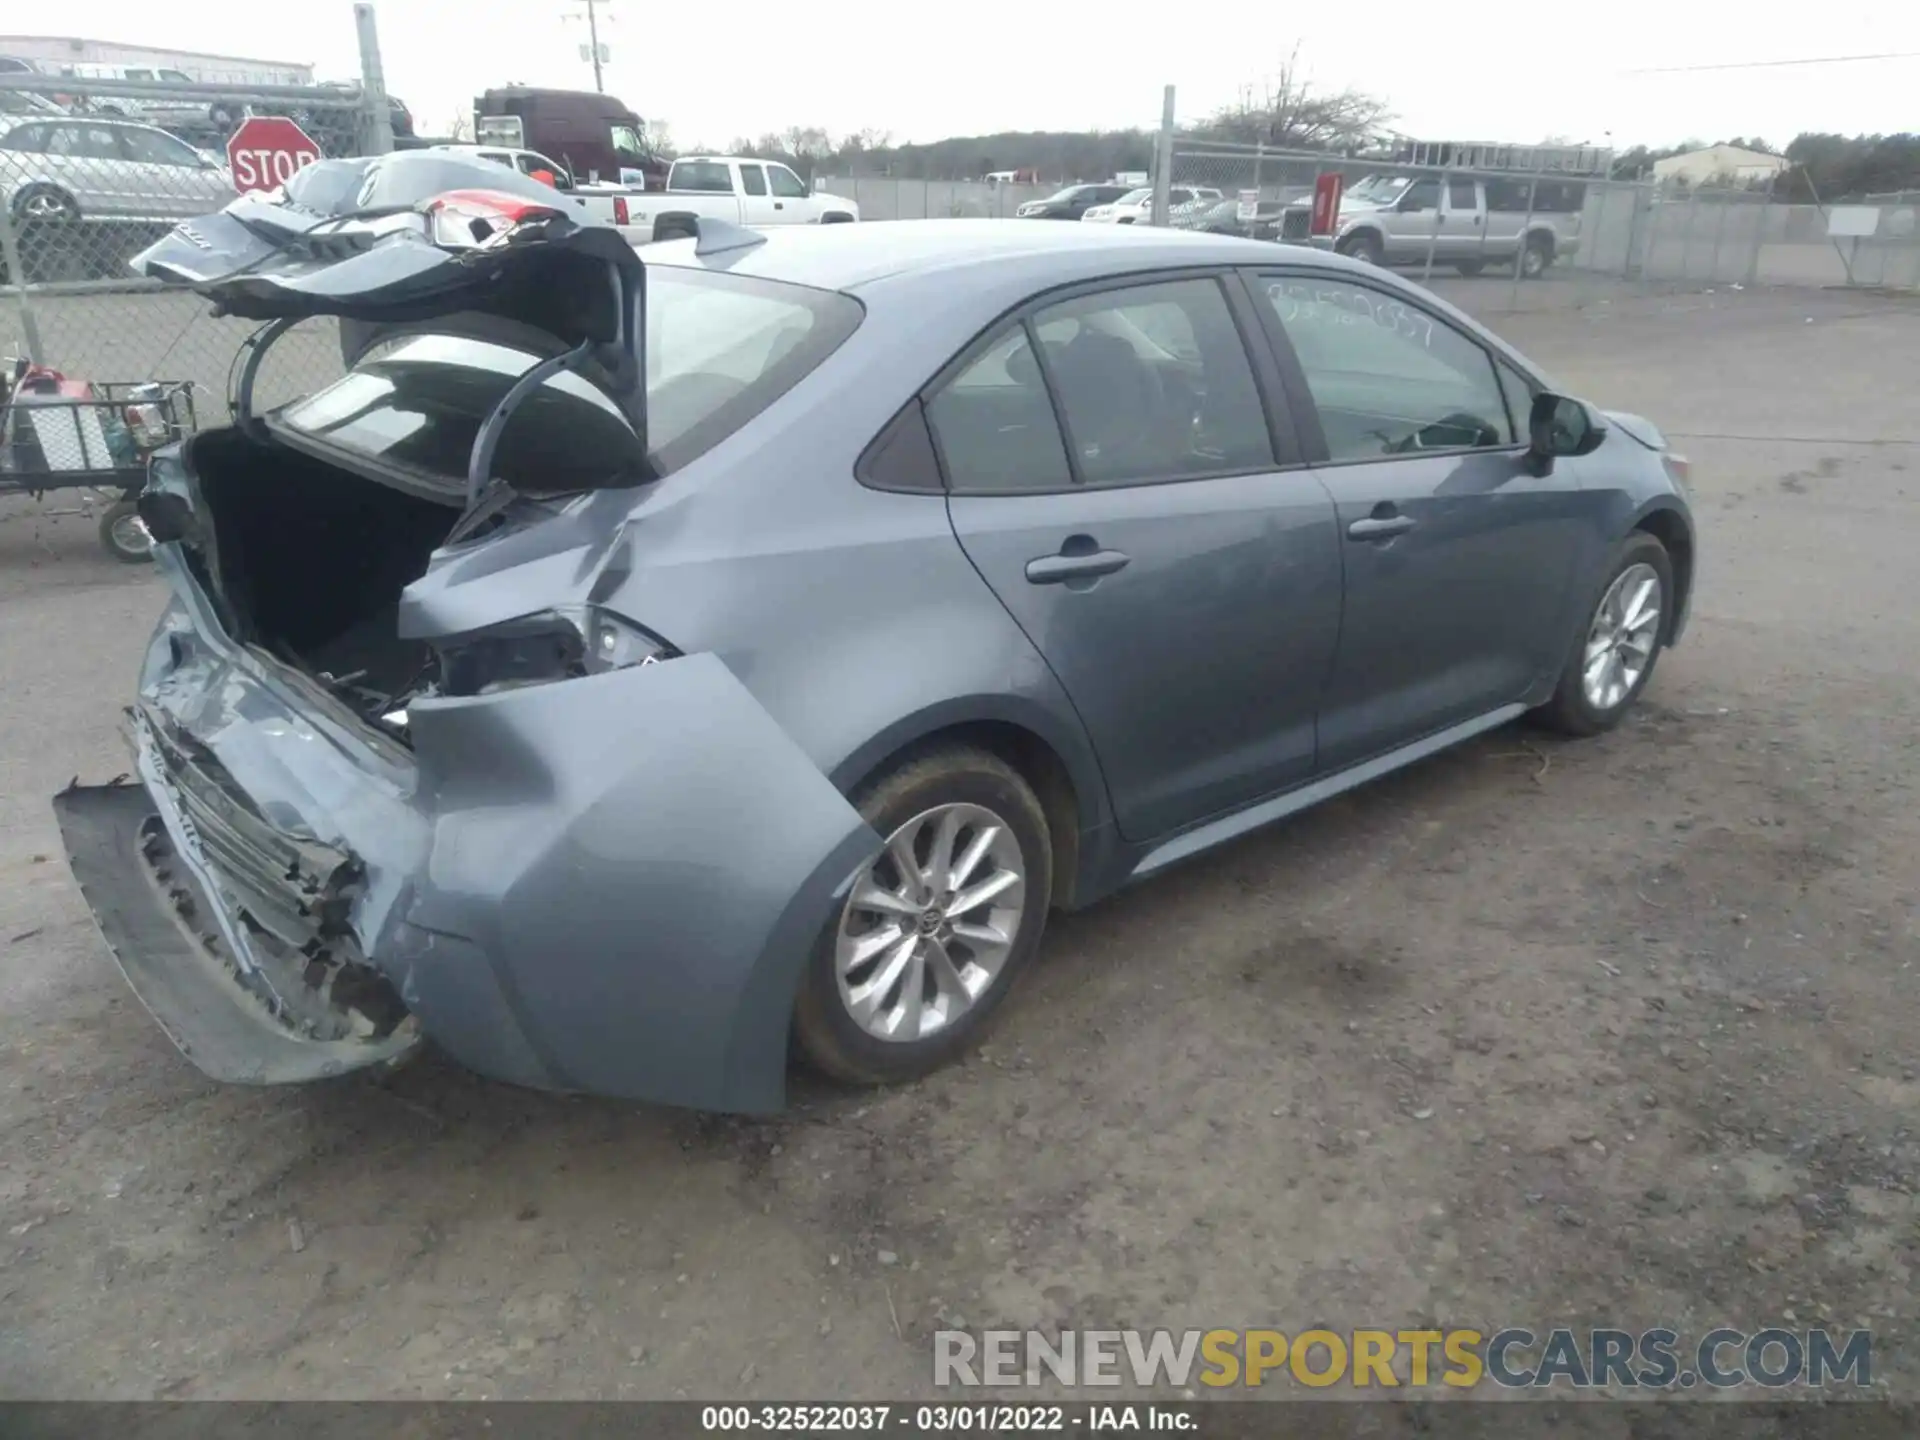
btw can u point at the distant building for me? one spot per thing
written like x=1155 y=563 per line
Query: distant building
x=59 y=54
x=1723 y=164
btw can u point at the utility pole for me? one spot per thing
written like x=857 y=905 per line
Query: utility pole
x=593 y=43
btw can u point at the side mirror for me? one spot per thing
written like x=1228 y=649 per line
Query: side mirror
x=1560 y=425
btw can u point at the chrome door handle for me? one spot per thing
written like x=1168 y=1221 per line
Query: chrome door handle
x=1380 y=527
x=1056 y=569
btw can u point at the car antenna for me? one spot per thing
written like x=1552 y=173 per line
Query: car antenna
x=716 y=237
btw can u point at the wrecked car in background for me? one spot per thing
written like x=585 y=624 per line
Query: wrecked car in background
x=628 y=667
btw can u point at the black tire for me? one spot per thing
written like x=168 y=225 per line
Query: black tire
x=826 y=1034
x=1471 y=267
x=1570 y=711
x=120 y=524
x=1364 y=245
x=1536 y=257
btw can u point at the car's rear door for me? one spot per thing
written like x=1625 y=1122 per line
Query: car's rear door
x=86 y=157
x=1114 y=476
x=756 y=204
x=1462 y=221
x=1458 y=557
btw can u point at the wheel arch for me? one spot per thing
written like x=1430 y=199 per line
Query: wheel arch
x=1062 y=772
x=1672 y=529
x=677 y=224
x=836 y=217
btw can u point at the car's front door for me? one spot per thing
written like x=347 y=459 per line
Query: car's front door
x=167 y=175
x=792 y=202
x=1414 y=221
x=756 y=204
x=1114 y=478
x=1458 y=557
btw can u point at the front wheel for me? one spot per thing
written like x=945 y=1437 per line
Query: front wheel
x=1364 y=246
x=1619 y=641
x=936 y=929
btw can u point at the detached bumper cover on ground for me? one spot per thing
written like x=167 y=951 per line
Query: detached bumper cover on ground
x=606 y=885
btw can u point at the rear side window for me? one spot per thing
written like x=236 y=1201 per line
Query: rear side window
x=995 y=426
x=720 y=349
x=707 y=177
x=753 y=180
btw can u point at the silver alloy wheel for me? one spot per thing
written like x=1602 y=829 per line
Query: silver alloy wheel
x=43 y=205
x=1626 y=627
x=930 y=922
x=130 y=534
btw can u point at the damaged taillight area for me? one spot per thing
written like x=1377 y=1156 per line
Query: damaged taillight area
x=563 y=643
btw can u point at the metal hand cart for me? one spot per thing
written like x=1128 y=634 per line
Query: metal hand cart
x=58 y=433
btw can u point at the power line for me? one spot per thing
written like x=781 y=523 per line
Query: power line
x=1772 y=64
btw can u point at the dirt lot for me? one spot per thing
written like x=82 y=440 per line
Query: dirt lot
x=1618 y=1032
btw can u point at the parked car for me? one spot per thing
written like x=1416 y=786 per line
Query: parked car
x=1223 y=217
x=400 y=117
x=1463 y=222
x=1071 y=203
x=189 y=112
x=610 y=764
x=1137 y=204
x=737 y=189
x=85 y=168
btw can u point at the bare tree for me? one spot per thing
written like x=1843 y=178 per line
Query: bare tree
x=1289 y=112
x=461 y=126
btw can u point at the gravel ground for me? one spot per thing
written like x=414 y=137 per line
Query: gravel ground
x=1615 y=1032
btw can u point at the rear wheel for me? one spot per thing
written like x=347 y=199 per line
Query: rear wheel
x=937 y=929
x=1537 y=256
x=1471 y=267
x=1619 y=641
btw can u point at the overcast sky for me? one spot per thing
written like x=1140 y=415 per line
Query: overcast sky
x=1502 y=70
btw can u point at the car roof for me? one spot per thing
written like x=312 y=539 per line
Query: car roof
x=848 y=257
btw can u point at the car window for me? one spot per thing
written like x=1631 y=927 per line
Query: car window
x=786 y=184
x=753 y=180
x=1154 y=383
x=994 y=424
x=178 y=76
x=83 y=142
x=29 y=138
x=1421 y=195
x=1519 y=392
x=1386 y=377
x=1462 y=195
x=153 y=148
x=137 y=75
x=706 y=177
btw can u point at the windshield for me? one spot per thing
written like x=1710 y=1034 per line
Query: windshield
x=1384 y=189
x=720 y=349
x=626 y=142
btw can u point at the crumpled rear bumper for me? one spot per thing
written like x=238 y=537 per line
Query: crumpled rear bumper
x=608 y=884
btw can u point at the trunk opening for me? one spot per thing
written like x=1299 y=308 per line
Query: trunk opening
x=311 y=560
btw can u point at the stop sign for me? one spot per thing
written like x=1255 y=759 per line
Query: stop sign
x=267 y=151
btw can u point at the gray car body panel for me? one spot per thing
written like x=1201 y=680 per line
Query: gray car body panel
x=612 y=883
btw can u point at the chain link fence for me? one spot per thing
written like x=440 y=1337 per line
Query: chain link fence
x=92 y=171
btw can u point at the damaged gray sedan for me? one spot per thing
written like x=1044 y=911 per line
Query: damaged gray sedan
x=629 y=668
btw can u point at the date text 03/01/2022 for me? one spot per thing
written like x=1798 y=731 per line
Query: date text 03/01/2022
x=939 y=1419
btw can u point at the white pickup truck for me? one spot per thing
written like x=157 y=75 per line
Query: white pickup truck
x=737 y=189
